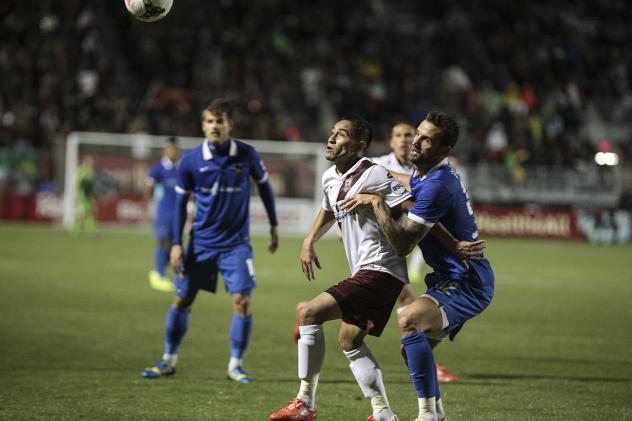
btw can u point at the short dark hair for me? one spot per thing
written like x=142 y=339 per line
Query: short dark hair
x=218 y=106
x=448 y=125
x=172 y=140
x=360 y=129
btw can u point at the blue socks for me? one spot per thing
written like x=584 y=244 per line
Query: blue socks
x=240 y=328
x=176 y=325
x=421 y=365
x=161 y=259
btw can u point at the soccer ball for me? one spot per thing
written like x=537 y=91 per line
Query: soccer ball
x=149 y=10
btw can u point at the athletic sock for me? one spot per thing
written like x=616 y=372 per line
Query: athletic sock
x=421 y=367
x=367 y=373
x=171 y=359
x=311 y=352
x=161 y=258
x=240 y=328
x=427 y=409
x=440 y=410
x=176 y=327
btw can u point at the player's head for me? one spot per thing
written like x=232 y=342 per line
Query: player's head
x=434 y=139
x=402 y=135
x=217 y=120
x=171 y=149
x=87 y=160
x=349 y=137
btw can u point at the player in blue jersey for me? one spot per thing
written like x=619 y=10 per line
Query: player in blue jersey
x=217 y=172
x=161 y=183
x=455 y=293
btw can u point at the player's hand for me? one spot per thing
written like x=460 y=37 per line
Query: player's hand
x=467 y=250
x=470 y=250
x=274 y=240
x=175 y=256
x=308 y=256
x=361 y=199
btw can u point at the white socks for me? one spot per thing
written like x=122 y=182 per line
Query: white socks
x=440 y=410
x=171 y=359
x=428 y=409
x=369 y=377
x=233 y=363
x=311 y=352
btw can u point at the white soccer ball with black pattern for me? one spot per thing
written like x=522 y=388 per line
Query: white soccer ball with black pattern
x=149 y=10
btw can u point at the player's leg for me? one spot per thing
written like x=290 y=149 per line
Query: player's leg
x=240 y=330
x=157 y=276
x=90 y=223
x=366 y=370
x=420 y=316
x=176 y=326
x=406 y=297
x=237 y=269
x=311 y=352
x=201 y=273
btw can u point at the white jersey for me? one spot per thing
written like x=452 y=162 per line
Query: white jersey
x=365 y=244
x=391 y=163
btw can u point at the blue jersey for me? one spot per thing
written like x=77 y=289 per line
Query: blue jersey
x=219 y=179
x=162 y=176
x=441 y=197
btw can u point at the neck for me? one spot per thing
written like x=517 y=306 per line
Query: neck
x=343 y=165
x=424 y=168
x=403 y=161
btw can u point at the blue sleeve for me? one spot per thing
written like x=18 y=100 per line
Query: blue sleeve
x=184 y=187
x=267 y=196
x=155 y=173
x=431 y=202
x=257 y=170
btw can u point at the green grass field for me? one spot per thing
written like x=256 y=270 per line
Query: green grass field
x=79 y=322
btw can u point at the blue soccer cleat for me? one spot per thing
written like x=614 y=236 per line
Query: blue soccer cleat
x=160 y=369
x=238 y=375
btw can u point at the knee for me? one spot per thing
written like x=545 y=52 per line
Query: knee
x=181 y=303
x=241 y=305
x=307 y=315
x=408 y=323
x=349 y=344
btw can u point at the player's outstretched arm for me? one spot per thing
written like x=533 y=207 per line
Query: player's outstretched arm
x=402 y=238
x=323 y=222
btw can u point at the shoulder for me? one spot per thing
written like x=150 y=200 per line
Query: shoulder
x=329 y=175
x=381 y=160
x=189 y=157
x=243 y=148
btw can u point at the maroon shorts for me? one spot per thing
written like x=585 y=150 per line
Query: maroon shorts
x=367 y=299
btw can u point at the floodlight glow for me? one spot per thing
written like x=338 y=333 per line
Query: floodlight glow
x=607 y=158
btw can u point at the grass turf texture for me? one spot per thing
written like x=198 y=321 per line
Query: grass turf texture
x=79 y=322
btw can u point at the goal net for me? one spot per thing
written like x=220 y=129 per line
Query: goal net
x=122 y=162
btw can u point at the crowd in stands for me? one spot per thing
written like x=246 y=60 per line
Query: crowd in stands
x=518 y=75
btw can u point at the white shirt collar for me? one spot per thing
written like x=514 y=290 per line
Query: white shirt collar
x=166 y=163
x=443 y=163
x=208 y=155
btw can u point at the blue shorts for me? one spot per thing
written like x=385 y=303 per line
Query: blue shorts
x=460 y=300
x=163 y=227
x=201 y=269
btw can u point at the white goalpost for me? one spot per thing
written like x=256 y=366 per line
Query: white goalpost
x=123 y=161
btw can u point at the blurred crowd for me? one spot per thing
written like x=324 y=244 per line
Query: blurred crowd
x=518 y=75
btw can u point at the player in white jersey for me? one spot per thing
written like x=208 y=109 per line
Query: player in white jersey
x=365 y=300
x=398 y=161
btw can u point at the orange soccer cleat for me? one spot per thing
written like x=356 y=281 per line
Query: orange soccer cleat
x=444 y=376
x=296 y=410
